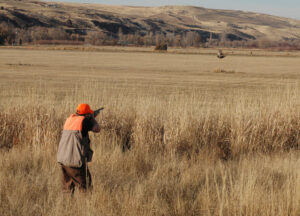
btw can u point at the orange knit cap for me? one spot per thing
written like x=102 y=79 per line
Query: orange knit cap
x=83 y=109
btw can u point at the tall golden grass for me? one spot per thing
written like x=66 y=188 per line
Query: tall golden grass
x=190 y=153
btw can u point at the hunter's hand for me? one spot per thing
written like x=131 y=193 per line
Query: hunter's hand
x=95 y=114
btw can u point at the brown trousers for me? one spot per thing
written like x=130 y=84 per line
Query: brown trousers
x=76 y=177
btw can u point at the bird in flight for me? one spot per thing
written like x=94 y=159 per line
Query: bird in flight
x=220 y=54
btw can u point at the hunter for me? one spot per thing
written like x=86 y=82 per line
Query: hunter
x=74 y=150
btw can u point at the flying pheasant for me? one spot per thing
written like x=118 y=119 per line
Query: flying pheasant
x=220 y=54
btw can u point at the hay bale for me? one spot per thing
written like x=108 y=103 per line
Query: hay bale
x=161 y=47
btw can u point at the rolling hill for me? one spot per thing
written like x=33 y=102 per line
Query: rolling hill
x=82 y=18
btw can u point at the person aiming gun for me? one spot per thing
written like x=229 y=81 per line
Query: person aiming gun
x=74 y=151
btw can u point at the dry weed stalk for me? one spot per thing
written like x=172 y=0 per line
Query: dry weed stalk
x=240 y=157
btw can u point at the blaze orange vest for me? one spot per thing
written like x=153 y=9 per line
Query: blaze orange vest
x=72 y=148
x=74 y=122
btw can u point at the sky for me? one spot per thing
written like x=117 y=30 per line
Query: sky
x=285 y=8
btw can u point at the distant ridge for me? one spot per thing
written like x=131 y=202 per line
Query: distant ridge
x=81 y=18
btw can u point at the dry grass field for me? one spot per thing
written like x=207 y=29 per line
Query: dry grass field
x=207 y=136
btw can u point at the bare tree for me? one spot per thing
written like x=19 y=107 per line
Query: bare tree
x=7 y=34
x=40 y=34
x=58 y=34
x=178 y=40
x=209 y=41
x=193 y=39
x=96 y=38
x=121 y=37
x=149 y=39
x=160 y=39
x=171 y=39
x=223 y=39
x=24 y=36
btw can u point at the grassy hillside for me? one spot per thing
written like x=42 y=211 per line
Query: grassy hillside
x=82 y=18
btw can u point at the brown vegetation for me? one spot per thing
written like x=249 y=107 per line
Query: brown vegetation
x=7 y=34
x=42 y=35
x=22 y=22
x=161 y=47
x=179 y=163
x=219 y=70
x=197 y=146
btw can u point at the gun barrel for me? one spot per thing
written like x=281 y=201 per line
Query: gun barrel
x=98 y=110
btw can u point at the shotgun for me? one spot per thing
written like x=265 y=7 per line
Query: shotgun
x=96 y=112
